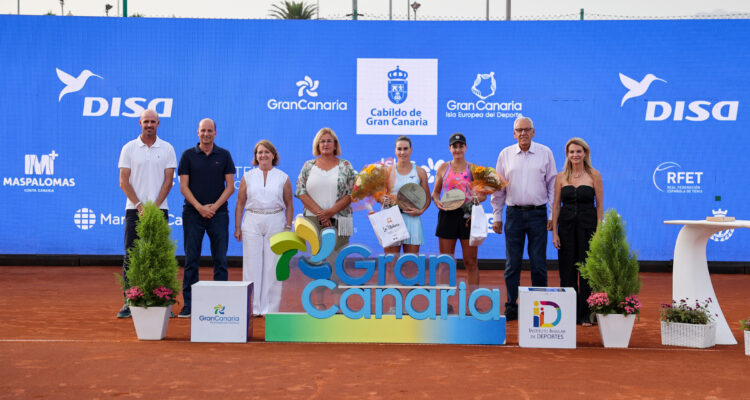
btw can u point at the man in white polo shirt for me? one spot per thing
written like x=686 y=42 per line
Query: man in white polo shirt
x=147 y=166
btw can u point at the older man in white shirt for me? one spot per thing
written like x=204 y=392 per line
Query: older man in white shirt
x=530 y=170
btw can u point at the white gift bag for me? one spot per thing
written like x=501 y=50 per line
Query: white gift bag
x=479 y=225
x=389 y=226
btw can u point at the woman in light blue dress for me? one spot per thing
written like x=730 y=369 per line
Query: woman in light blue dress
x=399 y=174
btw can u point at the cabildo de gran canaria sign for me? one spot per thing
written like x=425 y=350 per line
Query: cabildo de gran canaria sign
x=339 y=323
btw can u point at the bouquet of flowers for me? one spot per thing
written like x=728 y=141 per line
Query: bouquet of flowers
x=745 y=324
x=486 y=180
x=370 y=184
x=682 y=312
x=599 y=303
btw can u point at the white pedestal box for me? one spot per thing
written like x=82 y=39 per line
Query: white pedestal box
x=547 y=317
x=221 y=312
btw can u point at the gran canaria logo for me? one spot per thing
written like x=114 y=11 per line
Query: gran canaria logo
x=287 y=244
x=307 y=87
x=424 y=284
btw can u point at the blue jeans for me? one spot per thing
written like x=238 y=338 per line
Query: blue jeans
x=519 y=224
x=194 y=226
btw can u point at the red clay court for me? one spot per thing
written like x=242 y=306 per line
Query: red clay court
x=59 y=339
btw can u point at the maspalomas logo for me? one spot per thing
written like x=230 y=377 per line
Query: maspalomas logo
x=679 y=109
x=484 y=88
x=669 y=177
x=307 y=99
x=39 y=175
x=396 y=96
x=721 y=236
x=116 y=106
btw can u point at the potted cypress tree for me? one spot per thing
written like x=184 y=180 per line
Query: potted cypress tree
x=611 y=270
x=152 y=286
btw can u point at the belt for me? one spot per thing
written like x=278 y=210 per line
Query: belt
x=264 y=212
x=526 y=208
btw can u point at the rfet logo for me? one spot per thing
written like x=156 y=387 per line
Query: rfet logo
x=99 y=106
x=670 y=177
x=677 y=110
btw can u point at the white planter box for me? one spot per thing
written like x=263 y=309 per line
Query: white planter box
x=615 y=329
x=150 y=323
x=747 y=343
x=221 y=312
x=688 y=335
x=547 y=317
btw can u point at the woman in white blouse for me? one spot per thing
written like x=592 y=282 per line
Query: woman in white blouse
x=324 y=186
x=265 y=197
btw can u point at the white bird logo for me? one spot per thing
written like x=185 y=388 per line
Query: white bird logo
x=73 y=84
x=636 y=88
x=307 y=86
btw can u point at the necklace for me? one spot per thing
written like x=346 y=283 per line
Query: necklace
x=576 y=176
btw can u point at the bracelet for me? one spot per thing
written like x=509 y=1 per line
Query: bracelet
x=288 y=227
x=137 y=204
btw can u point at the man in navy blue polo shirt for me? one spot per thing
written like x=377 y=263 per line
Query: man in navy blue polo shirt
x=206 y=180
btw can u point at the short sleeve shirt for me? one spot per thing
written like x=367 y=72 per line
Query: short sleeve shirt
x=206 y=173
x=147 y=165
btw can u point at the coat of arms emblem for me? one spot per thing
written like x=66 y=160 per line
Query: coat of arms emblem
x=397 y=85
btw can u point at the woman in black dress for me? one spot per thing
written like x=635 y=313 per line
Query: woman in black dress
x=576 y=213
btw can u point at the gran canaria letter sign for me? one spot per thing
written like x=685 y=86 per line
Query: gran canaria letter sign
x=339 y=323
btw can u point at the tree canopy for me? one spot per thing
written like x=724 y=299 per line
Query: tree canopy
x=293 y=10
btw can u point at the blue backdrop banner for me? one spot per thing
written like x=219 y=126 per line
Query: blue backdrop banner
x=661 y=103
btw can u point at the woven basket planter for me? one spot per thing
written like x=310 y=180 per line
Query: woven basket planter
x=688 y=335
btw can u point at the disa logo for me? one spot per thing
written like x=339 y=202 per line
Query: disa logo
x=697 y=110
x=98 y=106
